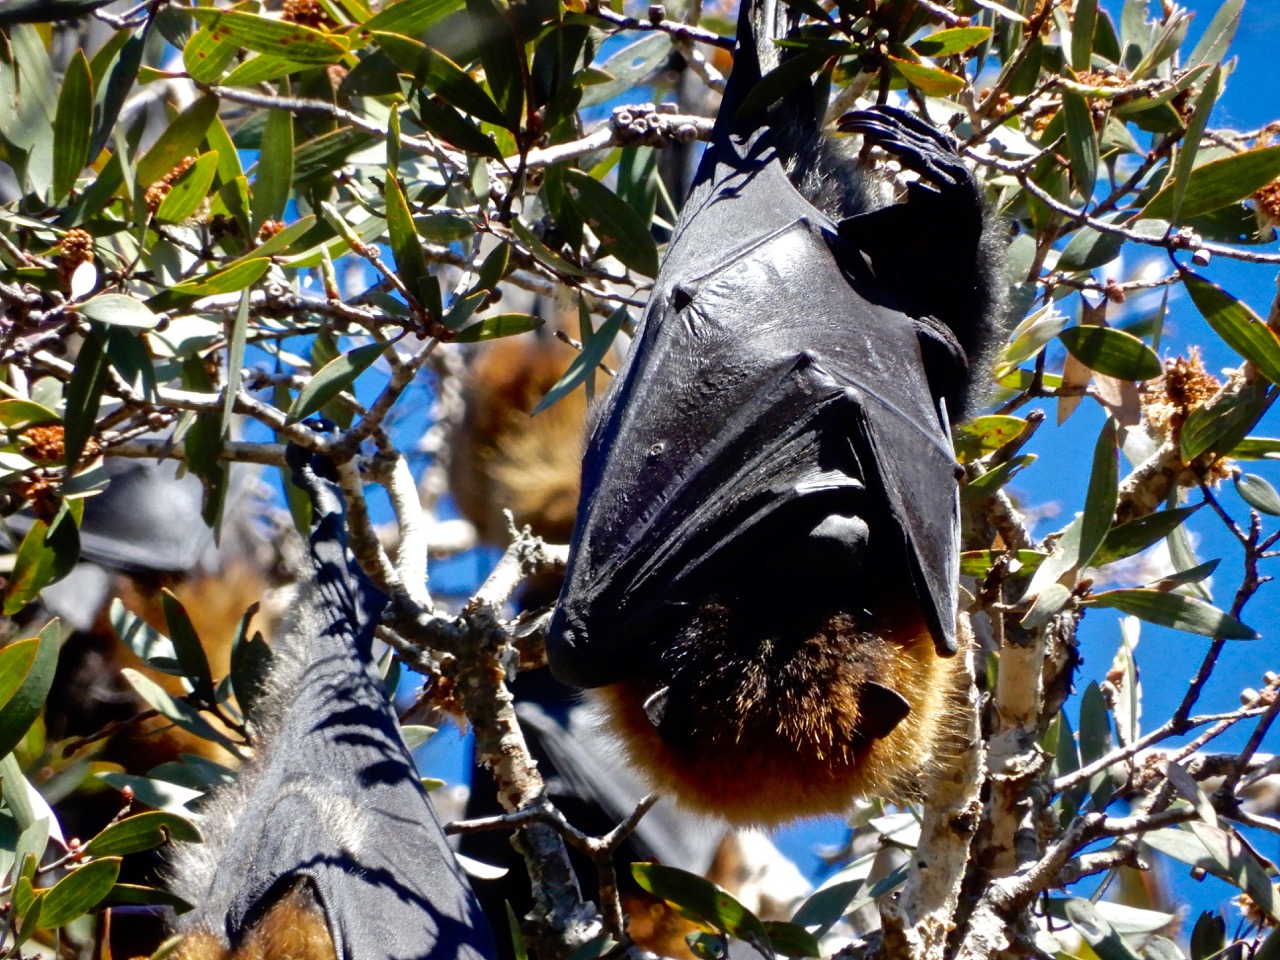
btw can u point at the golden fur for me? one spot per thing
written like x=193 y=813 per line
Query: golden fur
x=293 y=929
x=506 y=459
x=775 y=732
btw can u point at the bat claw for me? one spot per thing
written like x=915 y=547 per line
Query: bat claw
x=917 y=144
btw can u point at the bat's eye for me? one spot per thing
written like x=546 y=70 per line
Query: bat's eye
x=658 y=449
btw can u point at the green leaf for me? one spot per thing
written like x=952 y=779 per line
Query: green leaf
x=1185 y=161
x=979 y=488
x=704 y=900
x=24 y=705
x=119 y=310
x=250 y=667
x=501 y=325
x=232 y=279
x=1132 y=537
x=411 y=263
x=1082 y=29
x=778 y=82
x=628 y=67
x=207 y=54
x=46 y=555
x=84 y=392
x=945 y=43
x=1174 y=610
x=1090 y=249
x=1208 y=936
x=1235 y=323
x=585 y=363
x=143 y=831
x=976 y=438
x=1100 y=499
x=410 y=16
x=1259 y=494
x=273 y=174
x=1217 y=36
x=261 y=69
x=1114 y=353
x=236 y=343
x=1250 y=448
x=933 y=81
x=978 y=563
x=444 y=227
x=79 y=892
x=189 y=191
x=277 y=37
x=24 y=413
x=72 y=126
x=334 y=377
x=791 y=940
x=1082 y=142
x=145 y=642
x=1219 y=183
x=544 y=254
x=1223 y=424
x=442 y=76
x=181 y=138
x=136 y=895
x=621 y=232
x=453 y=128
x=826 y=906
x=116 y=72
x=180 y=713
x=187 y=646
x=1097 y=932
x=503 y=56
x=32 y=666
x=494 y=267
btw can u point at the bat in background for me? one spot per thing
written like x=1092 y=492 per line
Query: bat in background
x=326 y=846
x=763 y=571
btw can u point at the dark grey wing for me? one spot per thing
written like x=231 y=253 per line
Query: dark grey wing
x=336 y=802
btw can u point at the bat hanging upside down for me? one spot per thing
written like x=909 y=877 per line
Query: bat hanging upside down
x=326 y=848
x=763 y=571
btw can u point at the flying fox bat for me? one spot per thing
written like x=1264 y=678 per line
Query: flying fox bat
x=327 y=846
x=763 y=570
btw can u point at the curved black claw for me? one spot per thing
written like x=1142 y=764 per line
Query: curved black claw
x=921 y=147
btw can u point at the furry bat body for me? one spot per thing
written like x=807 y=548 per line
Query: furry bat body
x=327 y=846
x=763 y=572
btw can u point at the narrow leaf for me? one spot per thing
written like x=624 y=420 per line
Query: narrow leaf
x=1176 y=611
x=336 y=376
x=1218 y=184
x=72 y=125
x=84 y=392
x=621 y=232
x=1259 y=494
x=585 y=363
x=143 y=831
x=25 y=704
x=1100 y=499
x=189 y=191
x=79 y=892
x=501 y=325
x=277 y=37
x=933 y=81
x=119 y=310
x=1112 y=352
x=1135 y=536
x=1239 y=326
x=411 y=263
x=273 y=175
